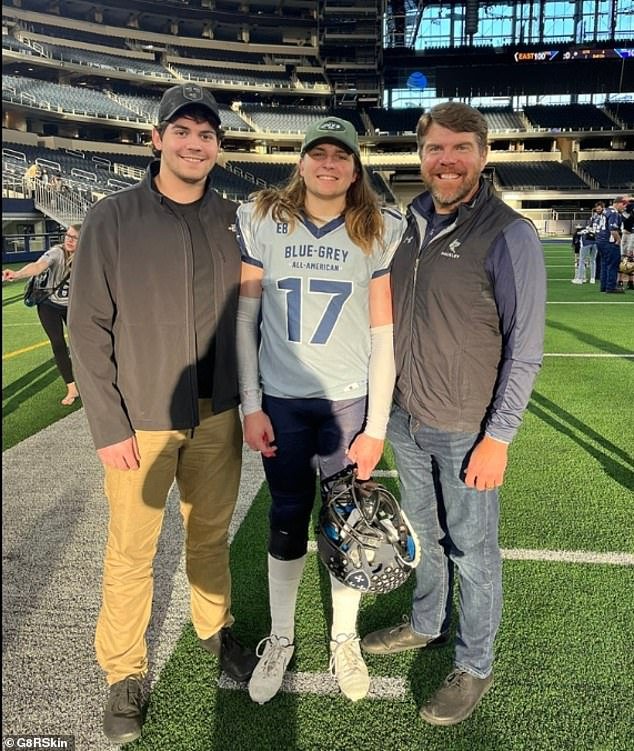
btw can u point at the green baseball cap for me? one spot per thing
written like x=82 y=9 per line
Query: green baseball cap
x=332 y=130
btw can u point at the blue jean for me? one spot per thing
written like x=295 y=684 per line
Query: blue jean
x=456 y=526
x=587 y=253
x=610 y=258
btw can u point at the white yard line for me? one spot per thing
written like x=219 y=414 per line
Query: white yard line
x=568 y=556
x=584 y=354
x=381 y=687
x=558 y=556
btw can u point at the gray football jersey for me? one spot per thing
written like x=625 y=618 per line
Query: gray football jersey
x=315 y=330
x=57 y=270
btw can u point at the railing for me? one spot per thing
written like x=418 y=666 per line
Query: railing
x=64 y=208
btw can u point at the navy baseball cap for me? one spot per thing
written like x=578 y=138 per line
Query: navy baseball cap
x=183 y=95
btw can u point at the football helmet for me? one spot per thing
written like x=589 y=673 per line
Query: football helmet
x=364 y=538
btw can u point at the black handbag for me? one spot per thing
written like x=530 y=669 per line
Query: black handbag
x=36 y=290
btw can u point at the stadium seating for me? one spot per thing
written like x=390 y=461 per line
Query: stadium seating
x=613 y=174
x=64 y=98
x=394 y=122
x=137 y=66
x=234 y=77
x=283 y=119
x=623 y=111
x=536 y=175
x=569 y=117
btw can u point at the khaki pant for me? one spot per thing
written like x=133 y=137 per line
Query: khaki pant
x=206 y=467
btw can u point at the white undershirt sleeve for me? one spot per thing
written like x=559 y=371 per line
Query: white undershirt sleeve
x=247 y=345
x=381 y=379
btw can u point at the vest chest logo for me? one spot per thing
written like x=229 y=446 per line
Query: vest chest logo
x=451 y=252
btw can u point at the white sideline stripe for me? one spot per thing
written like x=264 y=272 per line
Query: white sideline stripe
x=587 y=302
x=568 y=556
x=558 y=556
x=381 y=687
x=584 y=354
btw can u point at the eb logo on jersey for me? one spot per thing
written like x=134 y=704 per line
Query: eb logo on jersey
x=282 y=228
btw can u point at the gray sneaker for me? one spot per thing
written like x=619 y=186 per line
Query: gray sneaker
x=275 y=653
x=456 y=699
x=122 y=717
x=389 y=641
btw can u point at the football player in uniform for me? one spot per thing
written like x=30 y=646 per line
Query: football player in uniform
x=316 y=390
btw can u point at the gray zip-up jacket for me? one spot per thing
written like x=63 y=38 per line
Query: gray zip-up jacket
x=469 y=310
x=131 y=312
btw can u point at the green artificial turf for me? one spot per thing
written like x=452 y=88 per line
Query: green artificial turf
x=560 y=681
x=31 y=384
x=563 y=673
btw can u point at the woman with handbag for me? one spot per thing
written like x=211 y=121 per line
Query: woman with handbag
x=52 y=300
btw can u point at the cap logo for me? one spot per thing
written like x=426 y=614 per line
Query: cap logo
x=331 y=125
x=192 y=92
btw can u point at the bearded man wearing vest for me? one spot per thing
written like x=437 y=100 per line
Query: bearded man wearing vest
x=469 y=287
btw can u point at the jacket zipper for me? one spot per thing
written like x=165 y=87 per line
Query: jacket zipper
x=411 y=337
x=190 y=323
x=443 y=232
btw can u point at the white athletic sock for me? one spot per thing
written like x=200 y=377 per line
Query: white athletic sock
x=284 y=578
x=345 y=606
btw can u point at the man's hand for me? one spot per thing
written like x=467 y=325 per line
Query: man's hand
x=365 y=452
x=487 y=464
x=8 y=275
x=259 y=435
x=122 y=455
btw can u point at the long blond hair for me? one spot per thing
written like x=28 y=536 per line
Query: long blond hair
x=364 y=221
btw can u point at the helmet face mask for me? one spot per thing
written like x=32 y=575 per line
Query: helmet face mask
x=364 y=538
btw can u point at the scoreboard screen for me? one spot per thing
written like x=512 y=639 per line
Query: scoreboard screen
x=547 y=56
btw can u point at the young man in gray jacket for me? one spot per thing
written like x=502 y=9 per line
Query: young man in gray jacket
x=152 y=327
x=468 y=286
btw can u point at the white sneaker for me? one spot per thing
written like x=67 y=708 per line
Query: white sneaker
x=592 y=281
x=576 y=281
x=275 y=653
x=348 y=667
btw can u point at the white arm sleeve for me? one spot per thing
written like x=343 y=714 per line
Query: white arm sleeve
x=381 y=379
x=247 y=344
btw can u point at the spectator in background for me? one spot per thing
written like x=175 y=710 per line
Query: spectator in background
x=626 y=267
x=31 y=174
x=52 y=312
x=44 y=176
x=588 y=246
x=609 y=242
x=576 y=245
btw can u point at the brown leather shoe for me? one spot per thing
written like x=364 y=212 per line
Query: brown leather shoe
x=389 y=641
x=456 y=699
x=123 y=717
